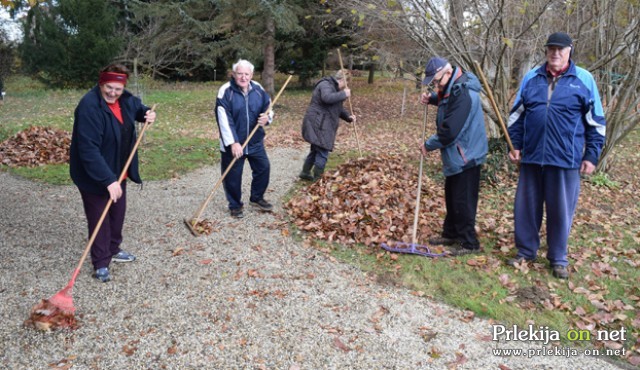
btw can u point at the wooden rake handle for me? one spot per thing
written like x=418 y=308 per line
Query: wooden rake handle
x=414 y=237
x=494 y=105
x=355 y=130
x=196 y=217
x=94 y=234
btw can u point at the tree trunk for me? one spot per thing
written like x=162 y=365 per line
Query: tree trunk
x=268 y=71
x=372 y=71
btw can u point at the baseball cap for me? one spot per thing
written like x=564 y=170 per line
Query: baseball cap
x=559 y=39
x=434 y=65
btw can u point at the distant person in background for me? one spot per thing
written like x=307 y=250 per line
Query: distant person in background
x=321 y=121
x=102 y=139
x=462 y=140
x=557 y=127
x=240 y=107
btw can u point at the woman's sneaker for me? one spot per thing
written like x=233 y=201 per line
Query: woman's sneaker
x=123 y=256
x=102 y=274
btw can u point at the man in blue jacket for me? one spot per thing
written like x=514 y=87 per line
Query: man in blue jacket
x=462 y=140
x=557 y=127
x=242 y=104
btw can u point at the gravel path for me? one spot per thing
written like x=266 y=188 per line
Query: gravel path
x=246 y=296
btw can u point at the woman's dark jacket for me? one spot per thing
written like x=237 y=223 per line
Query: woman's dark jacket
x=95 y=155
x=321 y=120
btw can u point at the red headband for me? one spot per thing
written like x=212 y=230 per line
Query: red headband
x=106 y=77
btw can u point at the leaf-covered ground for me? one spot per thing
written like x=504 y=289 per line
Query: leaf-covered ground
x=36 y=146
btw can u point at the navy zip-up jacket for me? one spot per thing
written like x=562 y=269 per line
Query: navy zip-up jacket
x=237 y=115
x=95 y=161
x=558 y=123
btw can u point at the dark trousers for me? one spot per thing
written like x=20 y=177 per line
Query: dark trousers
x=260 y=171
x=109 y=237
x=461 y=197
x=557 y=189
x=317 y=157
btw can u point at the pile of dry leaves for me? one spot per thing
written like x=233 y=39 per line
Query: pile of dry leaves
x=46 y=316
x=36 y=146
x=370 y=201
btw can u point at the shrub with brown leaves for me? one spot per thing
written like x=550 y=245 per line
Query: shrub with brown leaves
x=36 y=146
x=370 y=201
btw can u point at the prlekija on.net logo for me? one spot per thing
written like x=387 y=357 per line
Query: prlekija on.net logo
x=545 y=335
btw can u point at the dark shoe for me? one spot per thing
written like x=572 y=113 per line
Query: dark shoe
x=236 y=212
x=460 y=250
x=306 y=172
x=123 y=256
x=441 y=240
x=306 y=176
x=518 y=260
x=263 y=205
x=560 y=272
x=102 y=274
x=317 y=173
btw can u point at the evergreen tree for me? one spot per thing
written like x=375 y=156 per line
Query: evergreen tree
x=66 y=42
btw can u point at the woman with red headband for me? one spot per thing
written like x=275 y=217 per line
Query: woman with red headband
x=103 y=137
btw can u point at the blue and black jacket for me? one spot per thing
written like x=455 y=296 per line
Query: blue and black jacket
x=460 y=132
x=237 y=115
x=558 y=121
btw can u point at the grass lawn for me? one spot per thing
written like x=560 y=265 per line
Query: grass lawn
x=602 y=294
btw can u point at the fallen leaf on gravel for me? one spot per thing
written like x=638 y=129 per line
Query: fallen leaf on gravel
x=460 y=360
x=634 y=360
x=612 y=345
x=484 y=337
x=435 y=352
x=178 y=251
x=206 y=261
x=379 y=314
x=129 y=350
x=172 y=350
x=429 y=335
x=468 y=316
x=338 y=343
x=504 y=367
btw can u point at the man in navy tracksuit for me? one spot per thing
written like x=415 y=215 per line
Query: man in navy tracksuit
x=462 y=140
x=557 y=127
x=240 y=106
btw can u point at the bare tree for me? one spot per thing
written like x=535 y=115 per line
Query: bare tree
x=507 y=38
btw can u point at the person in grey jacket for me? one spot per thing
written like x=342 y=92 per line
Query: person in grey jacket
x=462 y=140
x=321 y=121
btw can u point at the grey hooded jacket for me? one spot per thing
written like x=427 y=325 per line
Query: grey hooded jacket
x=322 y=118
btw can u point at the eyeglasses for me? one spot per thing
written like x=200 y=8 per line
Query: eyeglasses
x=435 y=82
x=110 y=88
x=238 y=74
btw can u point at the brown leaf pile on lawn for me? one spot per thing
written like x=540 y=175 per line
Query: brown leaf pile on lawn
x=370 y=201
x=36 y=146
x=45 y=317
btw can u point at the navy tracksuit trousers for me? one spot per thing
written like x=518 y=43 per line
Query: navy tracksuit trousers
x=558 y=190
x=260 y=170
